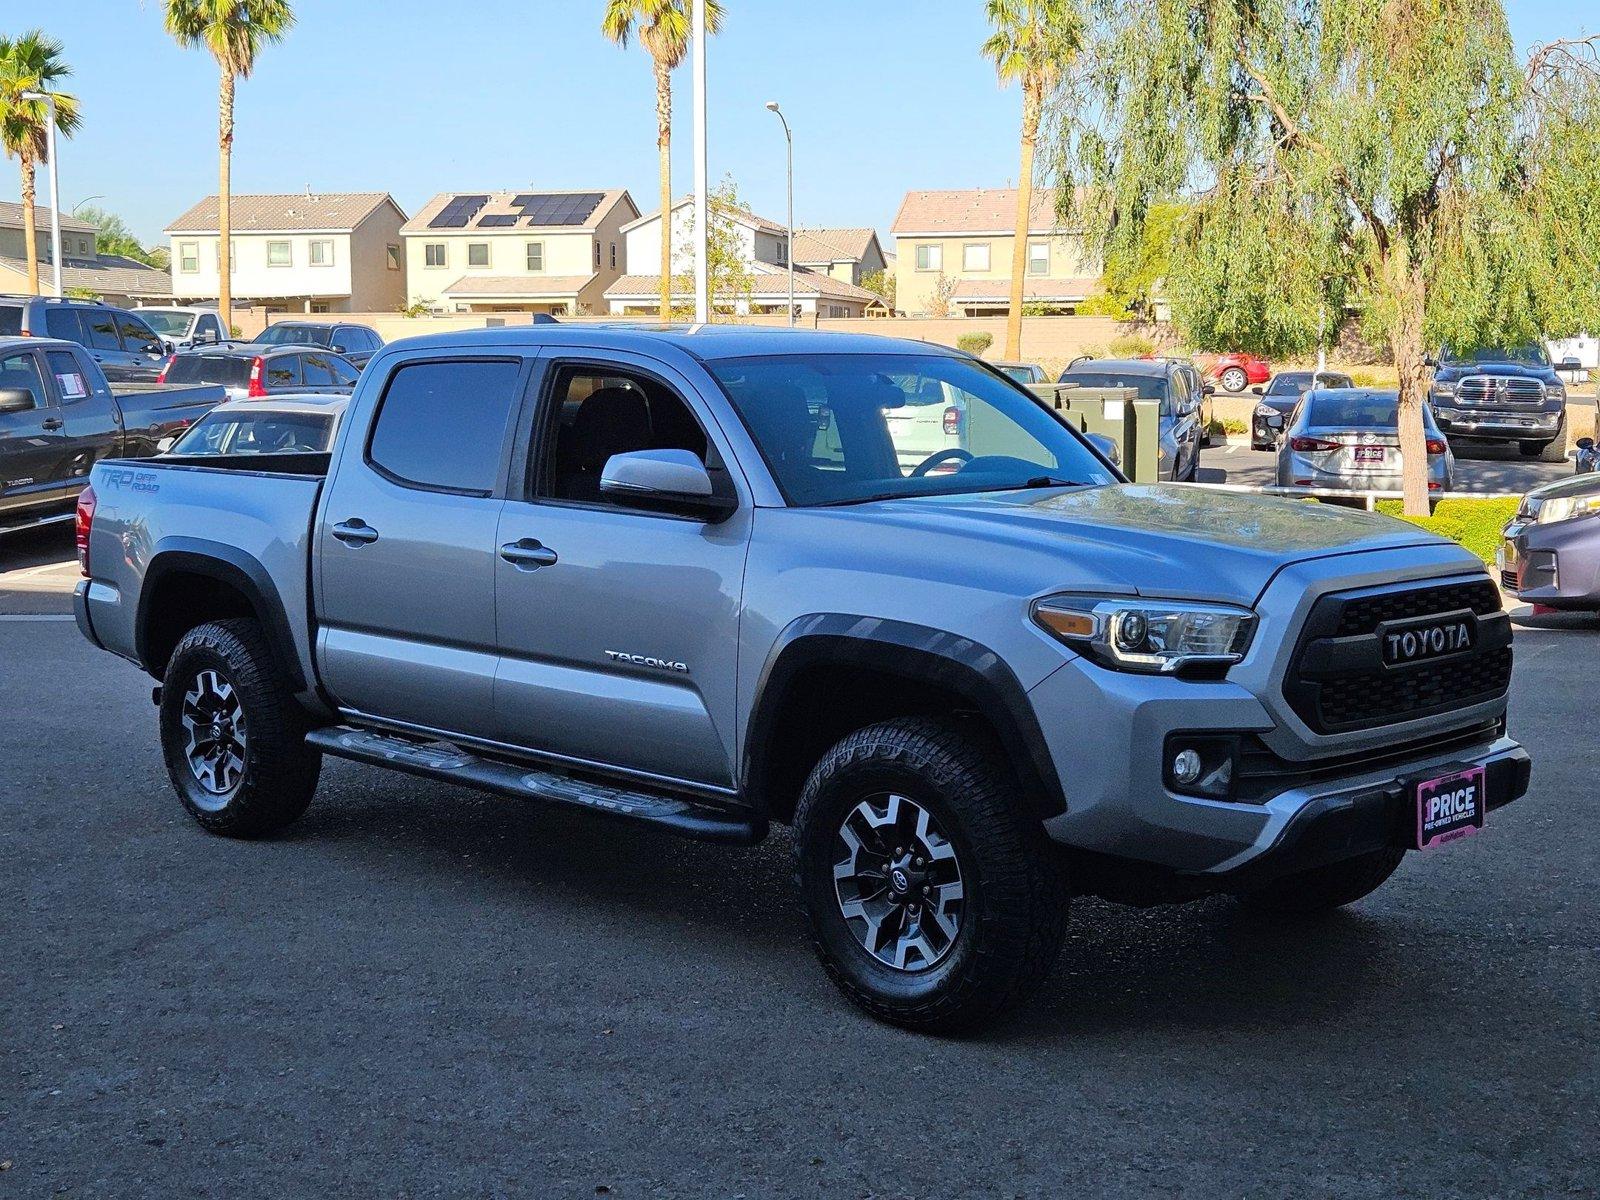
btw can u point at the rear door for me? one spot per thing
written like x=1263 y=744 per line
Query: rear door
x=32 y=444
x=93 y=430
x=406 y=545
x=100 y=338
x=619 y=646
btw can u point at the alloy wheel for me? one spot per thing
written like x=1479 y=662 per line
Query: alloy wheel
x=898 y=882
x=214 y=725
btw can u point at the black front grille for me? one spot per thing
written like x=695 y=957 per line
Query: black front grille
x=1493 y=389
x=1338 y=682
x=1509 y=581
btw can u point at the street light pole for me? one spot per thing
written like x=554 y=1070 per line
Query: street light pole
x=788 y=138
x=55 y=185
x=702 y=202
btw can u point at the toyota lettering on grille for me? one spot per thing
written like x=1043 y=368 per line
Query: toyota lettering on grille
x=1419 y=641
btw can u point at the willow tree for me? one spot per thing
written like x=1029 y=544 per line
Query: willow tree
x=31 y=64
x=1390 y=158
x=664 y=28
x=234 y=31
x=1034 y=42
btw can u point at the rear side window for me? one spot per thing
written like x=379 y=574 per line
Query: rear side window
x=100 y=330
x=63 y=323
x=71 y=382
x=10 y=320
x=283 y=371
x=229 y=371
x=443 y=424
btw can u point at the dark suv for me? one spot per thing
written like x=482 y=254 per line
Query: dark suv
x=251 y=370
x=1506 y=394
x=357 y=343
x=126 y=348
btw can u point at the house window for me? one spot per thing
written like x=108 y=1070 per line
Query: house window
x=83 y=246
x=783 y=253
x=394 y=257
x=930 y=257
x=613 y=256
x=1038 y=258
x=535 y=256
x=278 y=255
x=189 y=257
x=597 y=255
x=233 y=256
x=975 y=256
x=319 y=306
x=322 y=253
x=477 y=254
x=433 y=255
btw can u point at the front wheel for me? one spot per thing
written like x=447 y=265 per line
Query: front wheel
x=1323 y=888
x=934 y=900
x=231 y=733
x=1555 y=451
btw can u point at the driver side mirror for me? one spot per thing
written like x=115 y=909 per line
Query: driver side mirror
x=16 y=400
x=1584 y=443
x=1569 y=364
x=1258 y=390
x=1209 y=389
x=674 y=480
x=1429 y=360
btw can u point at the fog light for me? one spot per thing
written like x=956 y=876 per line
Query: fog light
x=1186 y=766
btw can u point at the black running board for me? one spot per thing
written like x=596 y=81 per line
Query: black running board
x=450 y=763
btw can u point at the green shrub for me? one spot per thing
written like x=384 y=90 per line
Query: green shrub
x=975 y=343
x=1476 y=524
x=1131 y=345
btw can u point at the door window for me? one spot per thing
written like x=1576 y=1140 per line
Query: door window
x=22 y=371
x=282 y=371
x=63 y=323
x=318 y=371
x=70 y=381
x=136 y=336
x=442 y=425
x=596 y=412
x=344 y=375
x=100 y=329
x=10 y=320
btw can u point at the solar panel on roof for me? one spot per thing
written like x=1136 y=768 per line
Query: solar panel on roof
x=557 y=208
x=497 y=220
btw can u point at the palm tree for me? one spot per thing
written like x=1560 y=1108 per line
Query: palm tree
x=234 y=31
x=1033 y=41
x=32 y=63
x=663 y=27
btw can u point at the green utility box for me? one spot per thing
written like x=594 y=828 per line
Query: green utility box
x=1117 y=413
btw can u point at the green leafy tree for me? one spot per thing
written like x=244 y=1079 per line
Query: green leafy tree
x=1390 y=157
x=113 y=235
x=663 y=28
x=881 y=283
x=234 y=32
x=731 y=282
x=1135 y=272
x=32 y=62
x=1033 y=43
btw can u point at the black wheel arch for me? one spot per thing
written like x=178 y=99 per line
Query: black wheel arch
x=830 y=673
x=224 y=581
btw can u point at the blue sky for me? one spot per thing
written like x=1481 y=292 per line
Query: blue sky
x=415 y=97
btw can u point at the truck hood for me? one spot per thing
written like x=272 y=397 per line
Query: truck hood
x=1154 y=539
x=1507 y=370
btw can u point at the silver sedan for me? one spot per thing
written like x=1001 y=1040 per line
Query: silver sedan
x=1348 y=439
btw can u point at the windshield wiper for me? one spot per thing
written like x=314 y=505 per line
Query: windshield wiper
x=1044 y=481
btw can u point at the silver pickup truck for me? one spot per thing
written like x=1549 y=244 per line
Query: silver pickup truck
x=686 y=578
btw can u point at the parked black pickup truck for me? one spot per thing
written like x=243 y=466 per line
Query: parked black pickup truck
x=1509 y=394
x=59 y=416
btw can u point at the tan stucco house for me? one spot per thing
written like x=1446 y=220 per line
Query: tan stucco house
x=763 y=248
x=846 y=254
x=112 y=277
x=964 y=239
x=532 y=252
x=304 y=252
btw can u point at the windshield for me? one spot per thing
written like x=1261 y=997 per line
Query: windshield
x=228 y=370
x=258 y=433
x=1528 y=356
x=1020 y=374
x=1358 y=410
x=168 y=323
x=846 y=428
x=294 y=335
x=1147 y=387
x=1298 y=383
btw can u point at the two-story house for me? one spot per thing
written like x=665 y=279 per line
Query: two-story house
x=306 y=252
x=846 y=254
x=958 y=244
x=112 y=277
x=762 y=249
x=532 y=252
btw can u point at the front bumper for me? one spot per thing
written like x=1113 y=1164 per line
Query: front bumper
x=1556 y=565
x=1469 y=424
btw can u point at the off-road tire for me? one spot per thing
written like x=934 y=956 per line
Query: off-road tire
x=1324 y=888
x=1015 y=888
x=1234 y=380
x=1555 y=450
x=280 y=770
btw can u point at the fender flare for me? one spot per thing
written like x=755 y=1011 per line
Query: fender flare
x=234 y=567
x=918 y=654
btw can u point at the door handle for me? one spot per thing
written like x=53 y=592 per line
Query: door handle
x=528 y=554
x=51 y=423
x=355 y=532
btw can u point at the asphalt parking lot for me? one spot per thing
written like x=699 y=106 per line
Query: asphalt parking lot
x=420 y=991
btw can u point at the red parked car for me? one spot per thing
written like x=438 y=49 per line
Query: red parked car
x=1235 y=372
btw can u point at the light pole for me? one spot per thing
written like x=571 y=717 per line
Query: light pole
x=788 y=138
x=702 y=202
x=55 y=187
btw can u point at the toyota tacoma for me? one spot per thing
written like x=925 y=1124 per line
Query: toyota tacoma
x=687 y=578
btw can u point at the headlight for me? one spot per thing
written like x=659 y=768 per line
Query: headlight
x=1154 y=637
x=1563 y=508
x=1555 y=391
x=1266 y=411
x=1444 y=388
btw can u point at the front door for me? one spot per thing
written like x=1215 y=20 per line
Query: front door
x=32 y=441
x=406 y=547
x=618 y=628
x=146 y=353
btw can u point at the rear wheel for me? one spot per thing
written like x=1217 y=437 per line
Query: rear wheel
x=1323 y=888
x=231 y=733
x=934 y=901
x=1234 y=380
